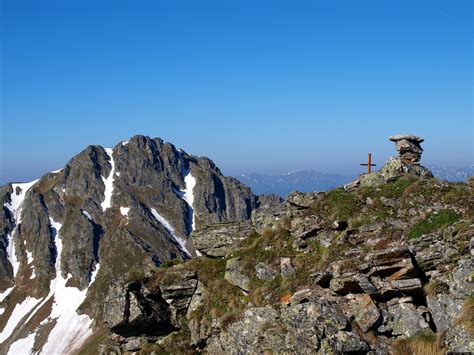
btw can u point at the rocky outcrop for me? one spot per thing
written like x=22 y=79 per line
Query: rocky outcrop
x=235 y=274
x=375 y=271
x=220 y=239
x=298 y=327
x=407 y=162
x=136 y=310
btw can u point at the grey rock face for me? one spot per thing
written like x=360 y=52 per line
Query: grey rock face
x=219 y=240
x=365 y=311
x=137 y=311
x=286 y=267
x=304 y=199
x=234 y=273
x=403 y=318
x=303 y=328
x=180 y=291
x=270 y=209
x=35 y=235
x=218 y=198
x=6 y=227
x=395 y=167
x=447 y=304
x=265 y=272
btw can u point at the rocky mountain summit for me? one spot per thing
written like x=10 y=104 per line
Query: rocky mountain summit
x=407 y=162
x=68 y=239
x=192 y=262
x=381 y=266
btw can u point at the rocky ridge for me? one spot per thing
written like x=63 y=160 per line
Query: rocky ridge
x=382 y=266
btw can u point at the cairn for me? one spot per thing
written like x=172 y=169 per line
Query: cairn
x=408 y=147
x=407 y=162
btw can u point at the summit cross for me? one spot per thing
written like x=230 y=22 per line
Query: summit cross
x=369 y=164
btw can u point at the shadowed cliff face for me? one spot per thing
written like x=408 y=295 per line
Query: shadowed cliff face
x=120 y=210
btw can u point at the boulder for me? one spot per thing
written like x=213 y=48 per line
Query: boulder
x=356 y=283
x=179 y=291
x=138 y=311
x=365 y=312
x=265 y=272
x=221 y=239
x=306 y=199
x=402 y=318
x=286 y=268
x=235 y=275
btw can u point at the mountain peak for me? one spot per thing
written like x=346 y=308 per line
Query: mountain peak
x=108 y=212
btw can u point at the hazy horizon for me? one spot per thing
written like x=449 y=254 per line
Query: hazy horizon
x=354 y=169
x=264 y=86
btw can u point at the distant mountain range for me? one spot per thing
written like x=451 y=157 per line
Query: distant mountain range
x=301 y=180
x=310 y=180
x=454 y=174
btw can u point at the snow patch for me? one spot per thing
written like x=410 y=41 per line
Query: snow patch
x=17 y=197
x=71 y=329
x=188 y=195
x=94 y=274
x=87 y=214
x=19 y=312
x=125 y=142
x=5 y=293
x=170 y=230
x=56 y=171
x=23 y=346
x=124 y=211
x=29 y=256
x=108 y=182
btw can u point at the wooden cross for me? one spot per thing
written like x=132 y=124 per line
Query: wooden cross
x=369 y=164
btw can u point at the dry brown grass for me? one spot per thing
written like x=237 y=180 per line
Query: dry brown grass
x=383 y=244
x=434 y=287
x=419 y=344
x=285 y=223
x=467 y=315
x=228 y=318
x=267 y=233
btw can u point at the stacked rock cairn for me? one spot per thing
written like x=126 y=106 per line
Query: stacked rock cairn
x=408 y=147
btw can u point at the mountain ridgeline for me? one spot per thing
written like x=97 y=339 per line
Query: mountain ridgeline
x=143 y=248
x=106 y=213
x=310 y=180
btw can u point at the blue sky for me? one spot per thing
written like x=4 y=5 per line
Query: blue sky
x=258 y=86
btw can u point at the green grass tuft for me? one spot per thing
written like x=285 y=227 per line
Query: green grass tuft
x=433 y=223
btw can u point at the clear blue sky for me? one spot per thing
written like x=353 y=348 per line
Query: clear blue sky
x=258 y=86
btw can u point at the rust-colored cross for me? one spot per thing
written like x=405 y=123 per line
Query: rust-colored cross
x=369 y=164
